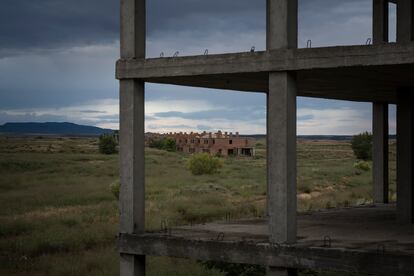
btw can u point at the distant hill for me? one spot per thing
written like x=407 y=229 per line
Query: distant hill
x=64 y=129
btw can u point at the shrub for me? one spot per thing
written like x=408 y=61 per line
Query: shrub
x=231 y=269
x=362 y=146
x=204 y=163
x=107 y=144
x=167 y=144
x=362 y=165
x=115 y=186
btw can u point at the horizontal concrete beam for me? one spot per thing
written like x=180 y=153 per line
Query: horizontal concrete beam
x=337 y=259
x=263 y=62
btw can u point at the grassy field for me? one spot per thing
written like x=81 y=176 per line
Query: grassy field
x=59 y=217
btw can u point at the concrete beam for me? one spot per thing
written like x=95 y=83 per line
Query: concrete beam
x=132 y=191
x=281 y=157
x=371 y=262
x=405 y=156
x=380 y=21
x=380 y=152
x=405 y=21
x=270 y=61
x=282 y=24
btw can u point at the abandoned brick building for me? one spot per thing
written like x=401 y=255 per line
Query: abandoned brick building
x=219 y=143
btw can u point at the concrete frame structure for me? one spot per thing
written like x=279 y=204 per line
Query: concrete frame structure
x=381 y=73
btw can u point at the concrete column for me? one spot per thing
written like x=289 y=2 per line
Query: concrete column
x=281 y=158
x=380 y=21
x=132 y=193
x=380 y=152
x=405 y=156
x=282 y=33
x=282 y=24
x=133 y=28
x=405 y=21
x=380 y=112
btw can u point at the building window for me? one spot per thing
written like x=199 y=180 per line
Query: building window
x=192 y=141
x=206 y=150
x=205 y=141
x=214 y=141
x=230 y=142
x=198 y=141
x=186 y=141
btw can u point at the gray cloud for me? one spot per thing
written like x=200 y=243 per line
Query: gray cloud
x=92 y=112
x=57 y=53
x=50 y=24
x=242 y=113
x=158 y=127
x=57 y=23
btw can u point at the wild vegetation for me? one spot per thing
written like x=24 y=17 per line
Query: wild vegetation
x=362 y=146
x=204 y=163
x=59 y=215
x=107 y=144
x=167 y=144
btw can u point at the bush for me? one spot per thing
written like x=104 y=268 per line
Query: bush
x=115 y=186
x=362 y=146
x=204 y=163
x=167 y=144
x=107 y=144
x=231 y=269
x=362 y=165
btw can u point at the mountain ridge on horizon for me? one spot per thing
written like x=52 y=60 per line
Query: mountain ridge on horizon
x=52 y=128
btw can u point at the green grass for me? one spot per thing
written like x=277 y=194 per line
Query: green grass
x=59 y=217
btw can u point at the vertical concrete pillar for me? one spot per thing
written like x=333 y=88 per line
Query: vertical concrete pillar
x=132 y=193
x=405 y=21
x=380 y=152
x=380 y=21
x=405 y=156
x=282 y=31
x=282 y=24
x=281 y=157
x=380 y=112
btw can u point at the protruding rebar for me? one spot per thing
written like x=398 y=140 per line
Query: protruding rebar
x=327 y=241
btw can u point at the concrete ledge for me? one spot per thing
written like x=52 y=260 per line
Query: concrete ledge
x=337 y=259
x=263 y=62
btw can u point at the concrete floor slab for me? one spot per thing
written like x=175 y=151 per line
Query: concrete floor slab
x=361 y=239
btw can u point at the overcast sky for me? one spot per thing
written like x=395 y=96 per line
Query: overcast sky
x=57 y=60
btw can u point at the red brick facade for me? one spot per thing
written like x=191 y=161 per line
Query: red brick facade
x=222 y=144
x=214 y=143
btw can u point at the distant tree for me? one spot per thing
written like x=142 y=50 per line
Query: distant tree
x=107 y=144
x=362 y=146
x=167 y=144
x=204 y=163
